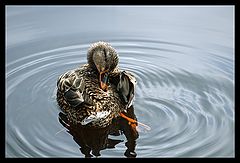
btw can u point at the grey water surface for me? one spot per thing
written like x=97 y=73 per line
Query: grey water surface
x=182 y=56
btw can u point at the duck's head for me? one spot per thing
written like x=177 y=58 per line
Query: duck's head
x=104 y=59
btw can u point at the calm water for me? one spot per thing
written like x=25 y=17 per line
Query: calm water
x=183 y=58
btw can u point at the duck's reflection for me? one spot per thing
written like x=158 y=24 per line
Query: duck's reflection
x=93 y=140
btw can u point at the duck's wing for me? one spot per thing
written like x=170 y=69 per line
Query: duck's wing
x=72 y=87
x=126 y=87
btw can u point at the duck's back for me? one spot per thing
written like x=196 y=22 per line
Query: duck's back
x=80 y=97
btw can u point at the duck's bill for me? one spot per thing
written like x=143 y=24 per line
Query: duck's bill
x=103 y=86
x=103 y=81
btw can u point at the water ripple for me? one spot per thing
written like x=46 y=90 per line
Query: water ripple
x=186 y=99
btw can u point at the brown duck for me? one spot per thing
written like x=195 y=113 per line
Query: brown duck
x=97 y=92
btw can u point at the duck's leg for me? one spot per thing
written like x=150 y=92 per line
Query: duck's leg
x=128 y=125
x=133 y=122
x=130 y=122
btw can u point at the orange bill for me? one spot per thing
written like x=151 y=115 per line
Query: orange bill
x=103 y=79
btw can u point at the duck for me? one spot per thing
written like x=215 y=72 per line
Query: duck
x=91 y=145
x=97 y=92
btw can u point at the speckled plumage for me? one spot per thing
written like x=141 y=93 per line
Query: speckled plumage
x=81 y=98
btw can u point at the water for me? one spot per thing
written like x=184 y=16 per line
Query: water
x=183 y=58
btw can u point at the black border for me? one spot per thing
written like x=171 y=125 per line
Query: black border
x=237 y=148
x=2 y=135
x=3 y=4
x=120 y=2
